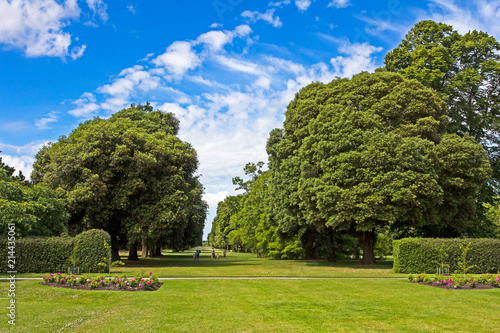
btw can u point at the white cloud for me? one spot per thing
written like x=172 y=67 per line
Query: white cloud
x=51 y=117
x=262 y=82
x=131 y=9
x=340 y=3
x=303 y=5
x=216 y=25
x=178 y=58
x=129 y=80
x=268 y=17
x=98 y=7
x=241 y=65
x=20 y=163
x=215 y=40
x=279 y=3
x=359 y=58
x=86 y=106
x=29 y=149
x=214 y=198
x=36 y=27
x=476 y=15
x=21 y=157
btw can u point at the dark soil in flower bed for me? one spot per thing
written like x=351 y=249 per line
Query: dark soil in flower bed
x=463 y=287
x=112 y=287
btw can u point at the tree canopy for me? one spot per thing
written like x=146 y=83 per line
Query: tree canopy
x=465 y=71
x=129 y=175
x=372 y=151
x=35 y=210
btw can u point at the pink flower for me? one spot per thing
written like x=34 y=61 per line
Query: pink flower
x=150 y=273
x=58 y=273
x=141 y=285
x=455 y=287
x=148 y=282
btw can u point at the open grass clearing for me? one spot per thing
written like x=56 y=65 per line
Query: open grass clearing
x=237 y=264
x=343 y=305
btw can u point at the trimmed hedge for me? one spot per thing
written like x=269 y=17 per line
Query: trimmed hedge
x=90 y=249
x=51 y=254
x=418 y=255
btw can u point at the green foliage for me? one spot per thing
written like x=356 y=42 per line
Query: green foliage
x=465 y=71
x=35 y=210
x=56 y=254
x=414 y=255
x=371 y=153
x=39 y=255
x=130 y=176
x=90 y=249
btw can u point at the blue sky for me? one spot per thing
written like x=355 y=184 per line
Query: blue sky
x=226 y=68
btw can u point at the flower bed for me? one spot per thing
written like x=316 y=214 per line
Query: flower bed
x=86 y=282
x=485 y=281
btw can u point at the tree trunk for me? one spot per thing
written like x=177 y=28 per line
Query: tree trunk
x=152 y=251
x=115 y=254
x=330 y=246
x=310 y=251
x=132 y=252
x=158 y=252
x=367 y=240
x=144 y=253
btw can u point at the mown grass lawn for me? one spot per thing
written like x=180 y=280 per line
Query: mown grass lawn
x=244 y=264
x=343 y=305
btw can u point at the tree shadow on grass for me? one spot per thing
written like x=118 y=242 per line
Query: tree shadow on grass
x=186 y=260
x=350 y=263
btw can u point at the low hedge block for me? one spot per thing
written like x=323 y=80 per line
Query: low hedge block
x=52 y=254
x=418 y=255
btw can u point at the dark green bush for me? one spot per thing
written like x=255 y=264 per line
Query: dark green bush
x=52 y=254
x=418 y=255
x=90 y=249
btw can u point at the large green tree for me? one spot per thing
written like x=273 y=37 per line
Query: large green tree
x=465 y=71
x=129 y=175
x=372 y=152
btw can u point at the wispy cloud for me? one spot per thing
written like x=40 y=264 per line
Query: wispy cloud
x=86 y=106
x=268 y=17
x=279 y=3
x=465 y=16
x=43 y=123
x=340 y=3
x=131 y=9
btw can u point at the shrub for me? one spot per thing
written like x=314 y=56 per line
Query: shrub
x=416 y=255
x=46 y=254
x=90 y=249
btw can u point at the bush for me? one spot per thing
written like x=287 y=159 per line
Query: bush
x=38 y=255
x=417 y=255
x=90 y=249
x=52 y=254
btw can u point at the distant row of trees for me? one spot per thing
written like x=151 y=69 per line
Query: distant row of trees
x=129 y=175
x=411 y=150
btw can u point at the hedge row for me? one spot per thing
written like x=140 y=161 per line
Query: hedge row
x=52 y=254
x=418 y=255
